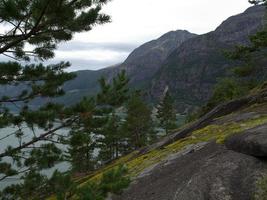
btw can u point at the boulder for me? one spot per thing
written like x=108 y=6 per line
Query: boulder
x=252 y=142
x=212 y=172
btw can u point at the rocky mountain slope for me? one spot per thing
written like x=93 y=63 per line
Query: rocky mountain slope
x=144 y=62
x=222 y=156
x=191 y=71
x=141 y=65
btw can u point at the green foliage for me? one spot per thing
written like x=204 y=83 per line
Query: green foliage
x=138 y=125
x=166 y=113
x=112 y=141
x=249 y=74
x=6 y=169
x=98 y=126
x=32 y=186
x=225 y=90
x=81 y=151
x=62 y=185
x=43 y=24
x=114 y=181
x=116 y=93
x=43 y=157
x=90 y=191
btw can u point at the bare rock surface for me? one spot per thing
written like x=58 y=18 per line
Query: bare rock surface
x=252 y=142
x=210 y=173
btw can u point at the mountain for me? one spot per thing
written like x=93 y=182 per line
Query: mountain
x=141 y=65
x=189 y=65
x=192 y=69
x=145 y=61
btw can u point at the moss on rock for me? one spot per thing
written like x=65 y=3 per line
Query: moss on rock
x=136 y=164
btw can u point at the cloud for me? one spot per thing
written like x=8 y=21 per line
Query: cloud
x=93 y=55
x=80 y=63
x=87 y=64
x=106 y=46
x=90 y=59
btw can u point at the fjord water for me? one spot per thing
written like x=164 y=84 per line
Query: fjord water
x=6 y=140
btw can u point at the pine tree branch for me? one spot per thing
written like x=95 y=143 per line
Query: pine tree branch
x=15 y=100
x=20 y=172
x=33 y=31
x=10 y=57
x=37 y=139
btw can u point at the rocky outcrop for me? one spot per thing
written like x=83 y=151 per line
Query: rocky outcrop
x=252 y=142
x=222 y=156
x=212 y=172
x=221 y=160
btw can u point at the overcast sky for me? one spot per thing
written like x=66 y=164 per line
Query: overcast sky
x=135 y=22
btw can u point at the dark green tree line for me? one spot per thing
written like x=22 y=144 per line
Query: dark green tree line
x=102 y=127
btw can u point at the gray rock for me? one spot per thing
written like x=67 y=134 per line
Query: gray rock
x=211 y=173
x=252 y=142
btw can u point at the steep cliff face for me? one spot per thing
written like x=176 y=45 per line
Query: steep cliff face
x=144 y=62
x=192 y=69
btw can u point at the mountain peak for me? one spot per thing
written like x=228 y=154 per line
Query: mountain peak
x=172 y=40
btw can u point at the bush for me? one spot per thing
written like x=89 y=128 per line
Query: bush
x=113 y=181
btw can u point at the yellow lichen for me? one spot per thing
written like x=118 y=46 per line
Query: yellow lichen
x=138 y=163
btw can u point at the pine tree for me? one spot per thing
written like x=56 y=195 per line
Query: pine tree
x=166 y=113
x=81 y=151
x=45 y=23
x=116 y=93
x=99 y=125
x=112 y=96
x=138 y=125
x=42 y=24
x=110 y=142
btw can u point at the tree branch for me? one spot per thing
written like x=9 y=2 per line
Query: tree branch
x=20 y=172
x=28 y=35
x=33 y=141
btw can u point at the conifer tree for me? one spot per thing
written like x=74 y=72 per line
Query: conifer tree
x=166 y=113
x=116 y=93
x=99 y=127
x=138 y=125
x=112 y=96
x=110 y=143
